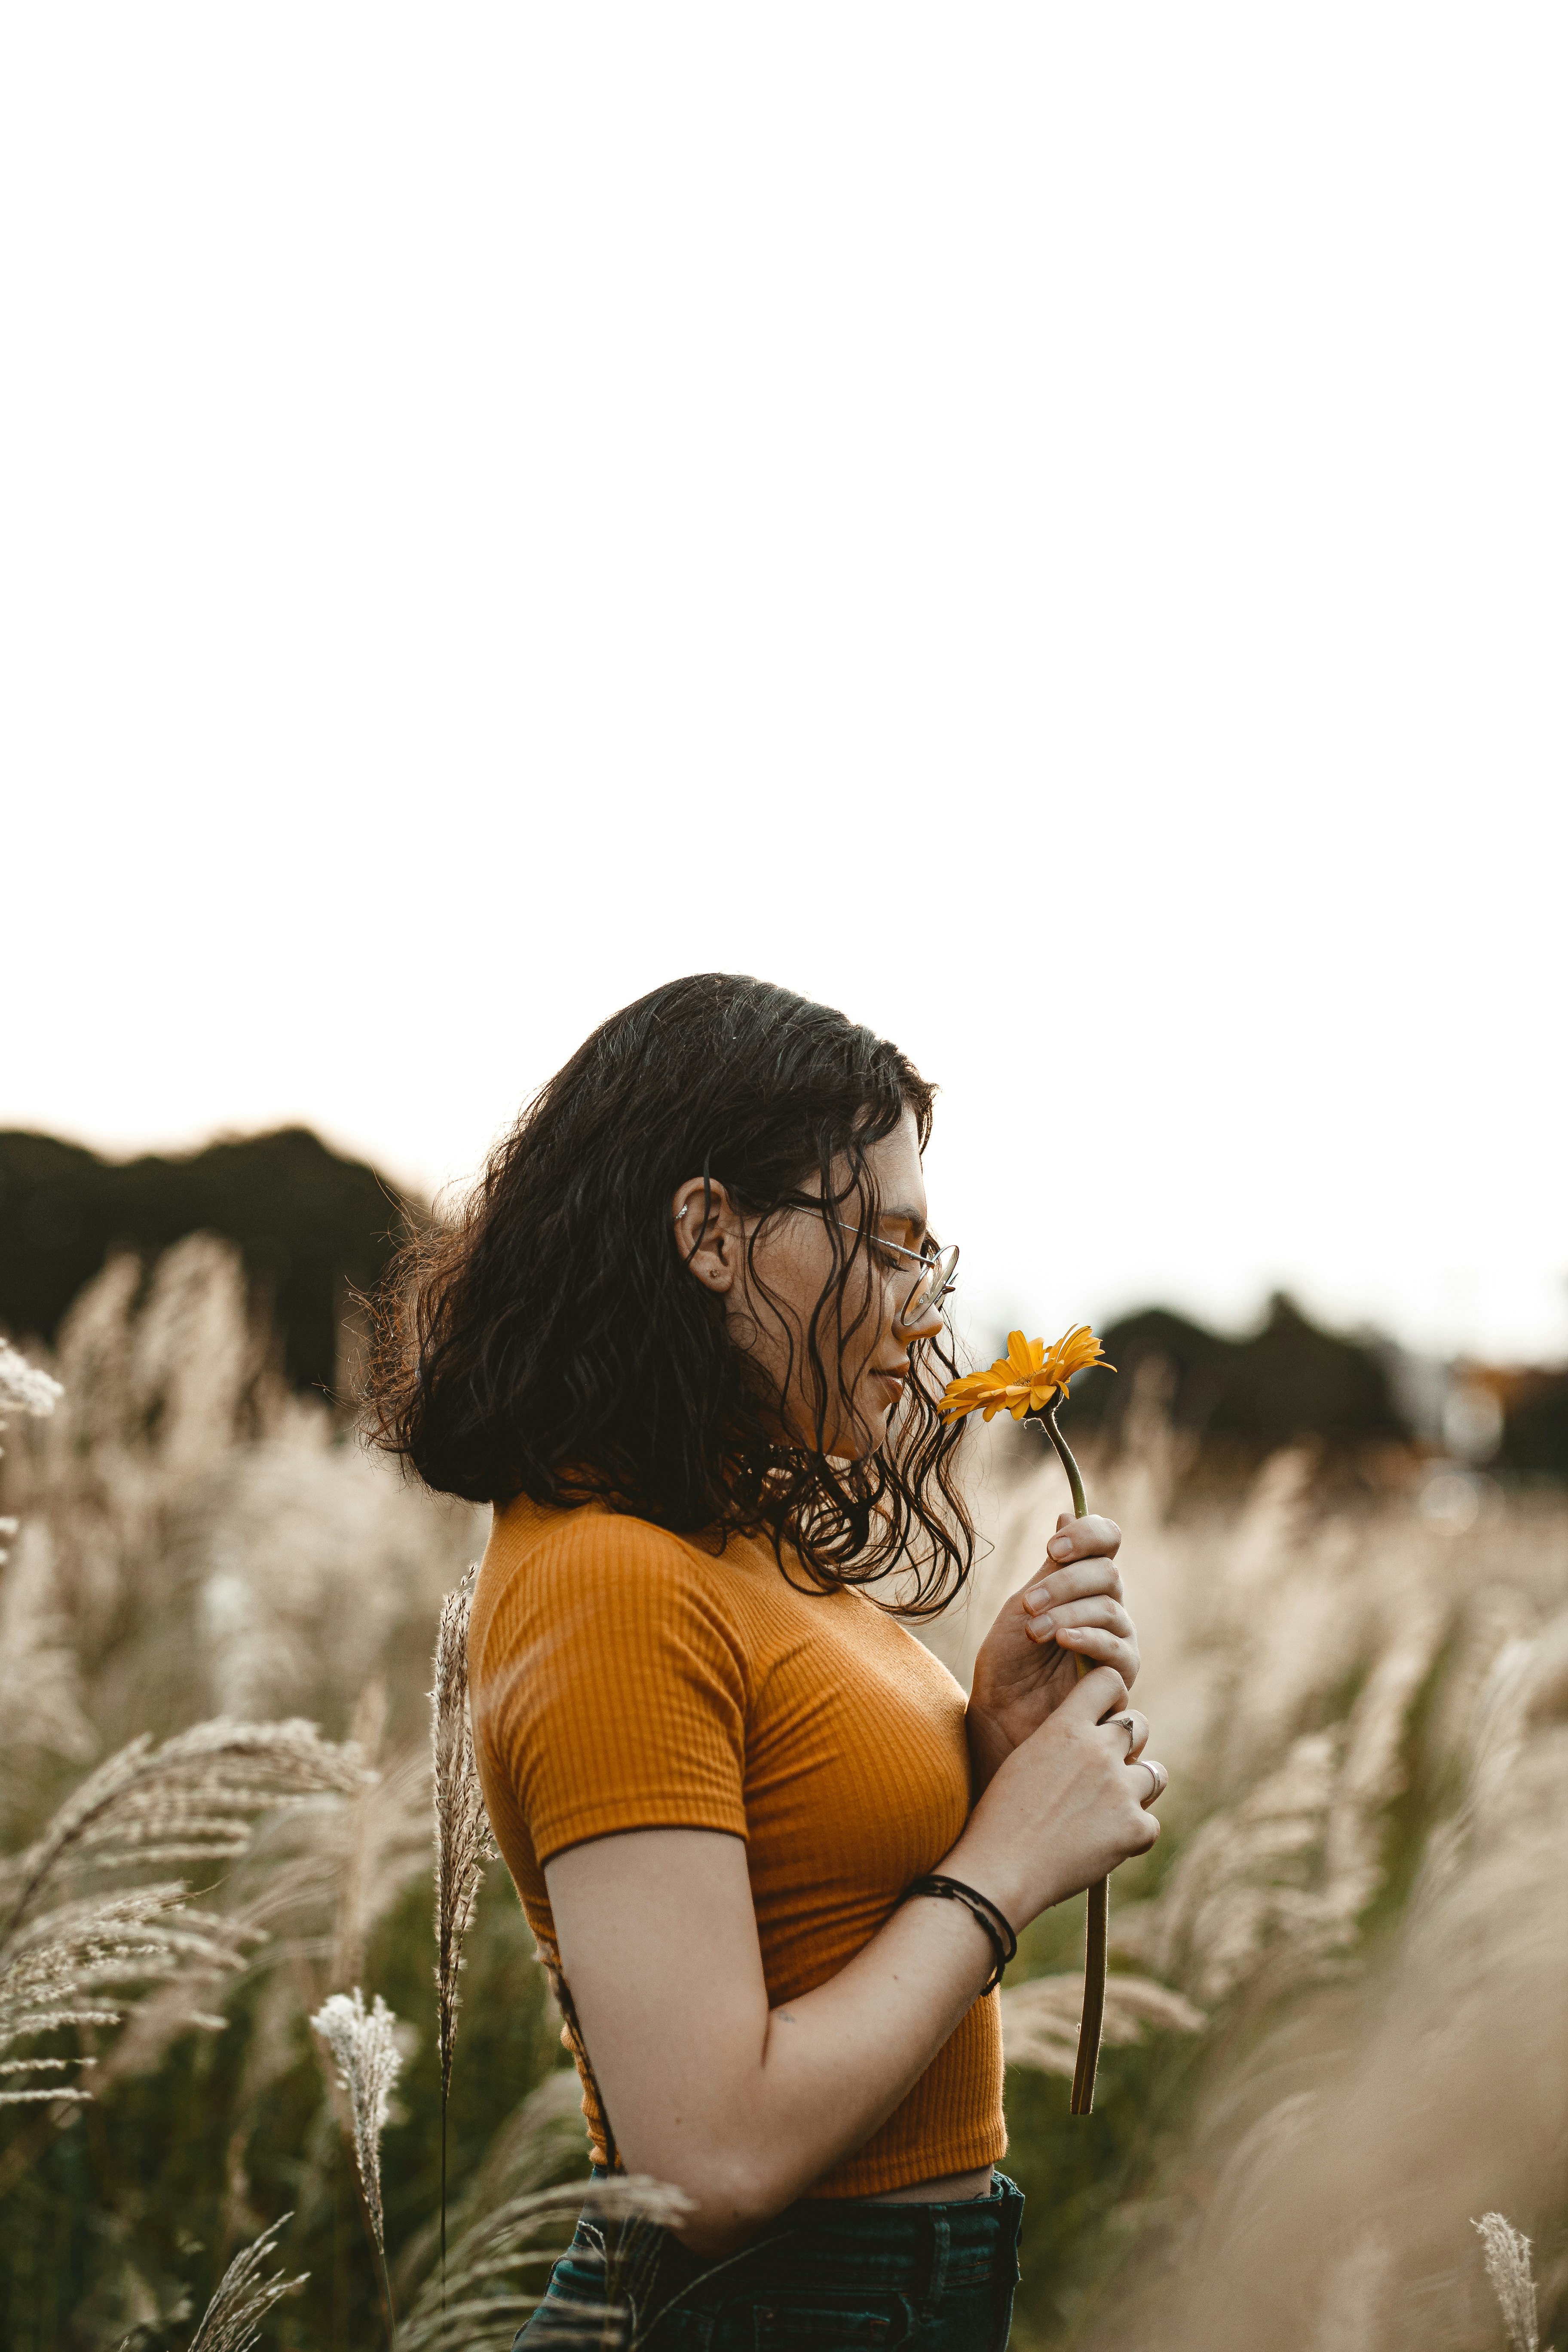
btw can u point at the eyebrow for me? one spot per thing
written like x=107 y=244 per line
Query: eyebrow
x=910 y=1217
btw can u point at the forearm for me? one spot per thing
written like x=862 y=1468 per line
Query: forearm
x=743 y=2104
x=839 y=2061
x=830 y=2068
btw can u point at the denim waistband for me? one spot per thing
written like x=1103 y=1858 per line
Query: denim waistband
x=915 y=2249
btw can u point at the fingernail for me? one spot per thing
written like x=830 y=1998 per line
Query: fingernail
x=1042 y=1624
x=1037 y=1597
x=1059 y=1547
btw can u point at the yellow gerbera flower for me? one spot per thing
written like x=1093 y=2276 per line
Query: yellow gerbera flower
x=1026 y=1377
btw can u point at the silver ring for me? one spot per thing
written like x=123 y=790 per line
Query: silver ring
x=1131 y=1729
x=1157 y=1774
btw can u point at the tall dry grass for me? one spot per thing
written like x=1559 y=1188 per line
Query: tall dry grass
x=1336 y=2024
x=1363 y=1884
x=185 y=1892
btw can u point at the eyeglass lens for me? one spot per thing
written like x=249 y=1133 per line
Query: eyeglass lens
x=931 y=1285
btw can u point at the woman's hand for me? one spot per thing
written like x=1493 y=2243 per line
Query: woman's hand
x=1070 y=1609
x=1067 y=1806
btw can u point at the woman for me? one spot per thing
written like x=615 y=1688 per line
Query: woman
x=689 y=1340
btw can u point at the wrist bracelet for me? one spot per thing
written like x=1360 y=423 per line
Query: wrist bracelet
x=1004 y=1942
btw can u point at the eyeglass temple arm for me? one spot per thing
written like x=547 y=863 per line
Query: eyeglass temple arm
x=902 y=1250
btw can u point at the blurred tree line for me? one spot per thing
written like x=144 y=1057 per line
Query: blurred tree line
x=310 y=1226
x=1288 y=1381
x=1292 y=1379
x=313 y=1227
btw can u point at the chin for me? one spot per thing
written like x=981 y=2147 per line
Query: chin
x=868 y=1437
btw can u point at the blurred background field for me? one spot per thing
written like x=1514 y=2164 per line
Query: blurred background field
x=1338 y=2021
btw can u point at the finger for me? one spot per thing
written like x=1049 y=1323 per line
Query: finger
x=1101 y=1691
x=1099 y=1609
x=1076 y=1582
x=1135 y=1739
x=1092 y=1647
x=1160 y=1779
x=1079 y=1538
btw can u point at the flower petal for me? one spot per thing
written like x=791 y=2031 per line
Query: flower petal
x=1025 y=1379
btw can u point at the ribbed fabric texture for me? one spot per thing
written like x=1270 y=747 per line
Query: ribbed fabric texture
x=626 y=1678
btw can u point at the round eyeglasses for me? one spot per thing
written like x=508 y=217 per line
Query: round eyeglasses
x=933 y=1283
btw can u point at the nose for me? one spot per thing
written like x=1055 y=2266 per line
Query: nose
x=925 y=1326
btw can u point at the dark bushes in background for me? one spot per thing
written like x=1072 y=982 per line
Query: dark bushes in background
x=1290 y=1379
x=1535 y=1424
x=307 y=1223
x=1293 y=1380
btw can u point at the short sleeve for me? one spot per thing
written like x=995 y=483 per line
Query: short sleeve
x=610 y=1693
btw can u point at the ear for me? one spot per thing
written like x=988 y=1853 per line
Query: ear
x=710 y=1235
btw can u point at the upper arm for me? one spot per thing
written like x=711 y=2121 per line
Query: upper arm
x=658 y=1943
x=611 y=1700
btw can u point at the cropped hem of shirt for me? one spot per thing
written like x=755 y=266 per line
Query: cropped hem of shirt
x=625 y=1678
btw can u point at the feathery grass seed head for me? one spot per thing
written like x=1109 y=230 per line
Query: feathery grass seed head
x=1513 y=2282
x=462 y=1828
x=232 y=2320
x=363 y=2043
x=23 y=1387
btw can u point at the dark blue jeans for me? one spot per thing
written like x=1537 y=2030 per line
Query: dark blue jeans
x=829 y=2275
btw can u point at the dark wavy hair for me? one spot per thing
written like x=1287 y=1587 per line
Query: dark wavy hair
x=551 y=1343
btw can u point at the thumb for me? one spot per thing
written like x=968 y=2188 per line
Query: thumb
x=1099 y=1693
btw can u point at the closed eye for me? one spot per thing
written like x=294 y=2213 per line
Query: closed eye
x=895 y=1256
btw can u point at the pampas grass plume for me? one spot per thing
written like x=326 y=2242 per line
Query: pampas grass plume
x=462 y=1829
x=1513 y=2282
x=463 y=1842
x=232 y=2320
x=23 y=1387
x=363 y=2043
x=63 y=1939
x=479 y=2307
x=1040 y=2019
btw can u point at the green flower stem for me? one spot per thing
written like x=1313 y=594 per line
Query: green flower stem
x=1047 y=1421
x=1098 y=1928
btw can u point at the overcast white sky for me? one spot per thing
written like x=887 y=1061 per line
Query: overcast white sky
x=1042 y=527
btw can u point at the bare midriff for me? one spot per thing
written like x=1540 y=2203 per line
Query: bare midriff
x=951 y=2189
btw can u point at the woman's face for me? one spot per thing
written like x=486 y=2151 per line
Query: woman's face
x=865 y=1351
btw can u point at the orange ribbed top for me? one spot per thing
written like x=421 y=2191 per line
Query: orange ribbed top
x=625 y=1678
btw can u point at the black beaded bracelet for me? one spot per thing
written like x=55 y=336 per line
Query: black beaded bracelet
x=995 y=1923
